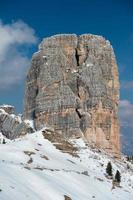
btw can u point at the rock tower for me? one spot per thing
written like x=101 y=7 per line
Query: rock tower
x=73 y=86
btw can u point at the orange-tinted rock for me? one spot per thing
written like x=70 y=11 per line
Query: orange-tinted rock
x=73 y=86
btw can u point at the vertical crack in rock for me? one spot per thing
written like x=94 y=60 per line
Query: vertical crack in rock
x=77 y=80
x=77 y=56
x=78 y=85
x=78 y=113
x=78 y=74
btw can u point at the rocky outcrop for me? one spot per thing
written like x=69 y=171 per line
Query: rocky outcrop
x=8 y=109
x=73 y=86
x=60 y=142
x=12 y=125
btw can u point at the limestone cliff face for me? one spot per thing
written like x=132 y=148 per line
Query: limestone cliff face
x=11 y=125
x=73 y=86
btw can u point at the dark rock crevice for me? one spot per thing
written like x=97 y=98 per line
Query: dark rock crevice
x=78 y=84
x=78 y=113
x=77 y=56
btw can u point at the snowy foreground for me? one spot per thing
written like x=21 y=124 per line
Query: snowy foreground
x=31 y=168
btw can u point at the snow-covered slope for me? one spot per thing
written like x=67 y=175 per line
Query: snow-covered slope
x=31 y=168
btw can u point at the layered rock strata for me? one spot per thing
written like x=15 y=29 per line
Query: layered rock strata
x=73 y=86
x=12 y=125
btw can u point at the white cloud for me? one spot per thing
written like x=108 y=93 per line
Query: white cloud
x=126 y=113
x=13 y=61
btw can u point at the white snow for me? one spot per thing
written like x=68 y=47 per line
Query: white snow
x=30 y=123
x=49 y=174
x=89 y=65
x=2 y=112
x=16 y=117
x=2 y=137
x=6 y=106
x=13 y=116
x=74 y=71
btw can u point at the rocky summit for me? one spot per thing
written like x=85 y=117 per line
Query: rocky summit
x=12 y=125
x=73 y=86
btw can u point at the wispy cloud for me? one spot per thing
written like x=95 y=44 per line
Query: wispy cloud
x=127 y=85
x=122 y=67
x=126 y=113
x=13 y=60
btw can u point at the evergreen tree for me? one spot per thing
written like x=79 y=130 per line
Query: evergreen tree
x=109 y=169
x=3 y=142
x=118 y=176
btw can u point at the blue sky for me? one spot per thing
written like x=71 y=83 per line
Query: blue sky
x=34 y=20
